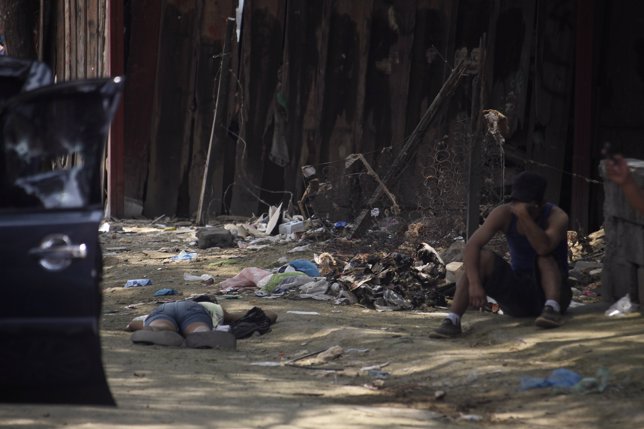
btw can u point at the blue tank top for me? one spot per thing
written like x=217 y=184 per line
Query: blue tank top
x=522 y=255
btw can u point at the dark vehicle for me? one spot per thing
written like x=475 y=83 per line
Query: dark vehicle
x=52 y=141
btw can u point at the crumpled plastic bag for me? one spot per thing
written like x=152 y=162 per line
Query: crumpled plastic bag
x=247 y=277
x=570 y=381
x=166 y=291
x=560 y=377
x=596 y=384
x=185 y=256
x=302 y=265
x=277 y=279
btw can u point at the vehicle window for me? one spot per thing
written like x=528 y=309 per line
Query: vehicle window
x=51 y=148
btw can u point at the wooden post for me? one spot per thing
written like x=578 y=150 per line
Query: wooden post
x=214 y=159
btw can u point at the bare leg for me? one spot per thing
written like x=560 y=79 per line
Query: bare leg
x=135 y=325
x=551 y=285
x=233 y=316
x=197 y=327
x=162 y=325
x=550 y=277
x=461 y=299
x=161 y=332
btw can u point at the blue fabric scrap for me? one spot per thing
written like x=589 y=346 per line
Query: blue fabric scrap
x=306 y=267
x=138 y=282
x=165 y=291
x=561 y=377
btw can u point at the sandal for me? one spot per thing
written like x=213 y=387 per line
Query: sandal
x=160 y=338
x=211 y=340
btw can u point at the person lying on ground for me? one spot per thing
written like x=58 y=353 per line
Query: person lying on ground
x=535 y=283
x=180 y=322
x=618 y=172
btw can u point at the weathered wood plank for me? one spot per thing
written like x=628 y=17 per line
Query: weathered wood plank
x=364 y=45
x=312 y=120
x=184 y=197
x=583 y=126
x=474 y=167
x=339 y=107
x=261 y=60
x=145 y=16
x=59 y=66
x=67 y=70
x=548 y=130
x=41 y=30
x=102 y=19
x=431 y=44
x=303 y=58
x=402 y=21
x=93 y=58
x=427 y=57
x=116 y=142
x=213 y=173
x=73 y=45
x=81 y=40
x=407 y=151
x=210 y=48
x=167 y=163
x=18 y=18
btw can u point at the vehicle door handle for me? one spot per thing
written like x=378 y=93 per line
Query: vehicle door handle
x=56 y=252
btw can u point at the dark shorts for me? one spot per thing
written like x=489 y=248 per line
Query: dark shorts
x=181 y=314
x=519 y=294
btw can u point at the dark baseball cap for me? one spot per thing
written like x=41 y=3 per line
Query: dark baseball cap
x=528 y=187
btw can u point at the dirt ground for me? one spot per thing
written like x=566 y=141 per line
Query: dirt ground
x=414 y=381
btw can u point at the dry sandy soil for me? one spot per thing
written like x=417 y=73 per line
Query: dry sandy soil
x=473 y=381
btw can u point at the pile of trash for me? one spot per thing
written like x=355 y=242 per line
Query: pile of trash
x=395 y=281
x=393 y=278
x=384 y=281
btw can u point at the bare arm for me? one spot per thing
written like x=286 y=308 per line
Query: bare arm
x=617 y=170
x=634 y=195
x=543 y=241
x=495 y=222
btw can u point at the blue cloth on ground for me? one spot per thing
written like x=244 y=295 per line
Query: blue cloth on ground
x=306 y=267
x=138 y=282
x=560 y=377
x=165 y=291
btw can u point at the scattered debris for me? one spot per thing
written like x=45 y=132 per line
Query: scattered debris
x=214 y=237
x=327 y=355
x=568 y=380
x=266 y=363
x=137 y=283
x=166 y=291
x=366 y=369
x=185 y=256
x=375 y=278
x=248 y=277
x=291 y=227
x=204 y=278
x=470 y=417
